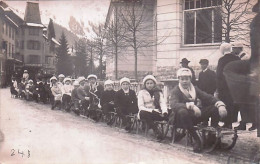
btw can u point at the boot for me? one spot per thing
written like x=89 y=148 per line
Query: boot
x=253 y=127
x=241 y=126
x=197 y=147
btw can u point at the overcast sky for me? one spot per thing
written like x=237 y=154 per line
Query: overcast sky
x=60 y=10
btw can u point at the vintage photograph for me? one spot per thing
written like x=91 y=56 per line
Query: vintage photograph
x=129 y=81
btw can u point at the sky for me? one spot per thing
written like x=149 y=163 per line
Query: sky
x=60 y=10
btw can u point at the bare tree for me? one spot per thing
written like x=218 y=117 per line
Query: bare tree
x=115 y=33
x=99 y=44
x=136 y=19
x=236 y=17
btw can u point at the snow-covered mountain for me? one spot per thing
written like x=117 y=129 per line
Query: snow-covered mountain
x=73 y=15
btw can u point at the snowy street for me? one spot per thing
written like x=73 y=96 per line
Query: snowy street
x=45 y=136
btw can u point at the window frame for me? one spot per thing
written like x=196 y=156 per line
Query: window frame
x=213 y=43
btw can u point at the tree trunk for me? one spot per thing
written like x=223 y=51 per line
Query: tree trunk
x=116 y=64
x=136 y=75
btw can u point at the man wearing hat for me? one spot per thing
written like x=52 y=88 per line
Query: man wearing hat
x=207 y=78
x=185 y=64
x=222 y=87
x=237 y=49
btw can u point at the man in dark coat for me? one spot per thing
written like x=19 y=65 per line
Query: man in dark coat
x=185 y=64
x=222 y=88
x=207 y=78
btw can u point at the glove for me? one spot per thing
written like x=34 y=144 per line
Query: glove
x=197 y=111
x=189 y=105
x=222 y=111
x=99 y=106
x=86 y=98
x=156 y=110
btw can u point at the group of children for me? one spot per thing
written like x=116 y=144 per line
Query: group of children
x=149 y=105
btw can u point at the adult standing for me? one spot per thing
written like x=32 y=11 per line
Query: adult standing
x=222 y=88
x=207 y=78
x=185 y=64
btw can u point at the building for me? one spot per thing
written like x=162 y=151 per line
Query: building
x=124 y=62
x=11 y=59
x=189 y=29
x=32 y=41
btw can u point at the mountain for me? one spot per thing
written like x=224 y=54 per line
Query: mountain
x=71 y=37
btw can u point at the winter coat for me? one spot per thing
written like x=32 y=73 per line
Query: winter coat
x=146 y=102
x=56 y=92
x=81 y=92
x=74 y=95
x=178 y=100
x=207 y=81
x=67 y=89
x=107 y=96
x=126 y=102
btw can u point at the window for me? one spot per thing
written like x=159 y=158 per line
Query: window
x=33 y=45
x=202 y=21
x=12 y=51
x=6 y=31
x=4 y=28
x=34 y=59
x=34 y=31
x=10 y=31
x=22 y=45
x=47 y=60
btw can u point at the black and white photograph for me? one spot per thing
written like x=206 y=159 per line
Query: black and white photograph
x=129 y=81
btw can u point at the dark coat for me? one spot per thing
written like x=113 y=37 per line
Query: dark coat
x=81 y=93
x=207 y=81
x=107 y=97
x=178 y=99
x=127 y=103
x=221 y=81
x=74 y=95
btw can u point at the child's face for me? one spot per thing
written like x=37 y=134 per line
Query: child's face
x=92 y=80
x=125 y=85
x=67 y=82
x=149 y=84
x=109 y=87
x=185 y=81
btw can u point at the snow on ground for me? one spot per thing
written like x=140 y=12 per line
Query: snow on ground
x=60 y=137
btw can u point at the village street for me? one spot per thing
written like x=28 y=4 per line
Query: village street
x=35 y=134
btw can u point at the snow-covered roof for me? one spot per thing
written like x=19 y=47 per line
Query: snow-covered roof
x=44 y=36
x=35 y=25
x=11 y=20
x=55 y=41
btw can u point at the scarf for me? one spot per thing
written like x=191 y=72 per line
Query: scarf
x=190 y=93
x=155 y=92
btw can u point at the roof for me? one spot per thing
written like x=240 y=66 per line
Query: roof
x=32 y=13
x=45 y=37
x=8 y=18
x=55 y=41
x=35 y=25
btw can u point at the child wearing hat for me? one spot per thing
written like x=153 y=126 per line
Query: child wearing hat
x=82 y=94
x=126 y=102
x=152 y=105
x=66 y=97
x=184 y=103
x=74 y=97
x=29 y=90
x=107 y=100
x=57 y=93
